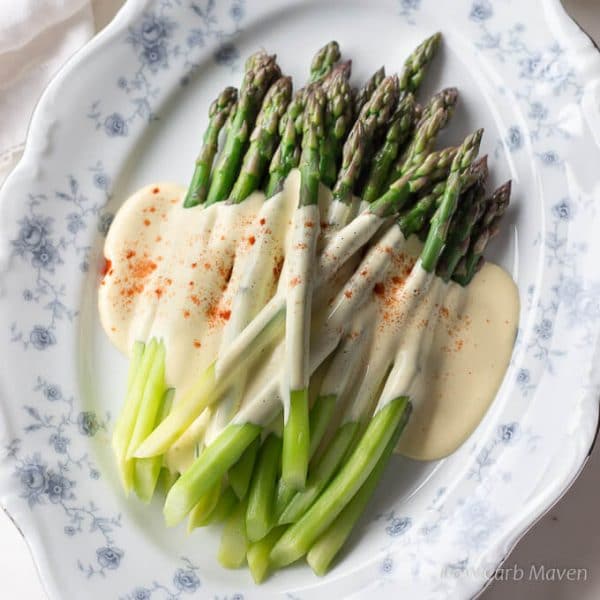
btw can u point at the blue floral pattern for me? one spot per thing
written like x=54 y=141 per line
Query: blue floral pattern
x=158 y=49
x=45 y=243
x=51 y=479
x=185 y=581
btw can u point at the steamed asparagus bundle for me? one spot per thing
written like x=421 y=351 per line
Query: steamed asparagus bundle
x=258 y=469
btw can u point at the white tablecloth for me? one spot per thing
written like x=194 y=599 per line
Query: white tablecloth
x=567 y=537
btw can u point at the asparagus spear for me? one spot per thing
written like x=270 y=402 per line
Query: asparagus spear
x=147 y=470
x=375 y=114
x=434 y=118
x=447 y=99
x=234 y=541
x=258 y=554
x=261 y=70
x=263 y=139
x=338 y=118
x=482 y=233
x=241 y=473
x=261 y=498
x=324 y=60
x=218 y=114
x=364 y=94
x=416 y=64
x=125 y=424
x=469 y=212
x=296 y=437
x=286 y=157
x=398 y=132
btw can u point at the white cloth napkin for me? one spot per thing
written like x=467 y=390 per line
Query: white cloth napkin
x=36 y=38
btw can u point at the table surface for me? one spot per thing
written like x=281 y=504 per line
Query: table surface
x=568 y=536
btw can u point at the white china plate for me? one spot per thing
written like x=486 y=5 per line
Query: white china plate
x=129 y=109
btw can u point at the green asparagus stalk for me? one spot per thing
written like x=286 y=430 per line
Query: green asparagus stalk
x=399 y=130
x=227 y=502
x=325 y=549
x=482 y=233
x=440 y=222
x=338 y=119
x=353 y=153
x=298 y=539
x=416 y=64
x=201 y=514
x=240 y=474
x=234 y=541
x=218 y=114
x=263 y=140
x=434 y=117
x=207 y=470
x=445 y=99
x=364 y=94
x=261 y=71
x=261 y=498
x=258 y=554
x=469 y=211
x=324 y=60
x=373 y=117
x=416 y=219
x=286 y=158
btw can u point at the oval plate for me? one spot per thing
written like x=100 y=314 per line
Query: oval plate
x=129 y=109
